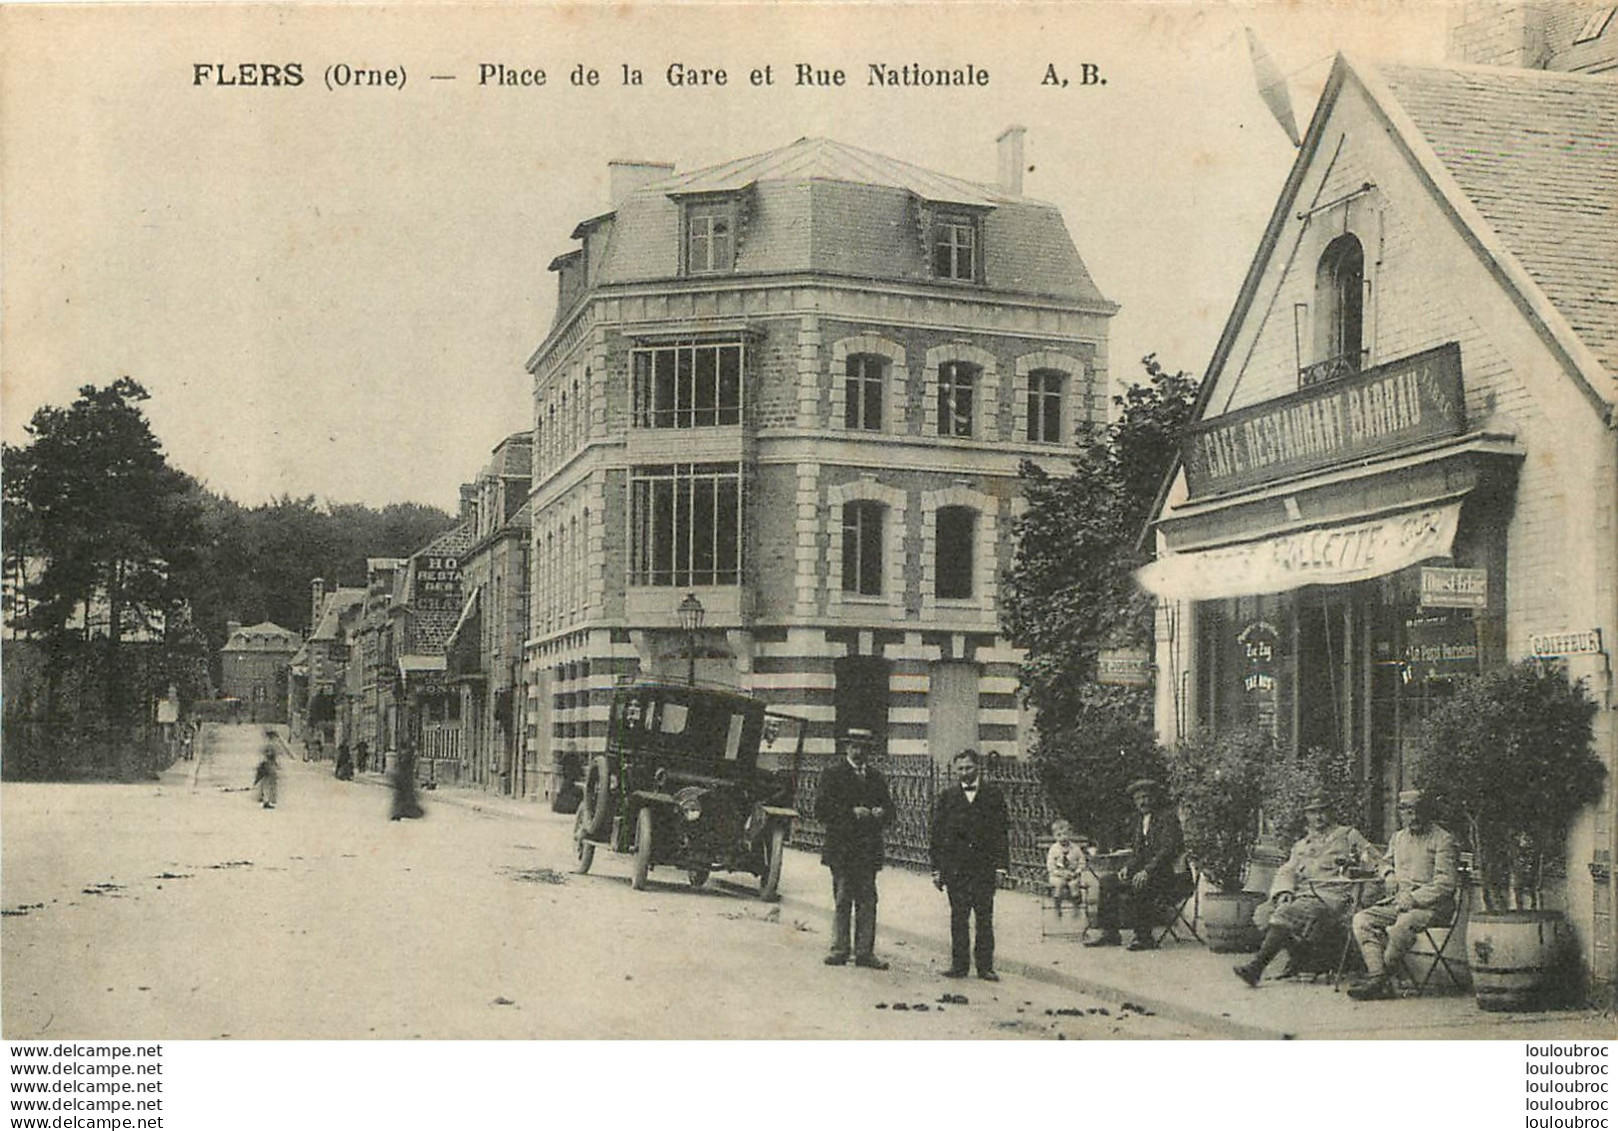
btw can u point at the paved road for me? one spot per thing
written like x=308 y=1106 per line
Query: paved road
x=181 y=909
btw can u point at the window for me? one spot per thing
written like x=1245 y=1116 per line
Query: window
x=862 y=548
x=1045 y=406
x=955 y=248
x=686 y=521
x=710 y=243
x=957 y=380
x=1340 y=312
x=688 y=385
x=957 y=529
x=866 y=380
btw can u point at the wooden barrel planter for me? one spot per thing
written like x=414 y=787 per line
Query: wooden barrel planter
x=1227 y=921
x=1513 y=955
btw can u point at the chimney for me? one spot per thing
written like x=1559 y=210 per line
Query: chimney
x=1498 y=33
x=1011 y=159
x=317 y=594
x=624 y=177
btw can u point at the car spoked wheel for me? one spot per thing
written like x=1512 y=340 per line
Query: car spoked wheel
x=697 y=876
x=775 y=850
x=643 y=848
x=596 y=808
x=584 y=853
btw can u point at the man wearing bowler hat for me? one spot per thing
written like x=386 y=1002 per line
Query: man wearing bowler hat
x=855 y=806
x=1156 y=878
x=1419 y=881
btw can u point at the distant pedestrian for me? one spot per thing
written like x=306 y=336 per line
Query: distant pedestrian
x=406 y=803
x=854 y=805
x=345 y=762
x=363 y=753
x=266 y=778
x=971 y=850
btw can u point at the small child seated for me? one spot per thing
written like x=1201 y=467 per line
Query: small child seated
x=1064 y=864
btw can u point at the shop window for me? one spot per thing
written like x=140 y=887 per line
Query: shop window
x=957 y=386
x=955 y=247
x=1045 y=389
x=710 y=237
x=955 y=555
x=1339 y=312
x=866 y=381
x=686 y=522
x=689 y=385
x=862 y=548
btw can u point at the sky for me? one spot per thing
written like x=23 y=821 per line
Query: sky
x=334 y=291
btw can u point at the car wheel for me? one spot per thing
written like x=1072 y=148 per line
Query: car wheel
x=769 y=884
x=697 y=876
x=643 y=848
x=597 y=804
x=584 y=853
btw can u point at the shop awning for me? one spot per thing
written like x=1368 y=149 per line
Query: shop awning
x=1334 y=554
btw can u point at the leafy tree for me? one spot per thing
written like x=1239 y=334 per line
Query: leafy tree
x=1070 y=592
x=96 y=519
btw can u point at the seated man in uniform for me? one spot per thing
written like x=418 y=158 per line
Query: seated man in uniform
x=1419 y=878
x=1154 y=881
x=1310 y=916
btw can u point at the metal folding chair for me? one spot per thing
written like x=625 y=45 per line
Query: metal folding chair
x=1447 y=938
x=1179 y=920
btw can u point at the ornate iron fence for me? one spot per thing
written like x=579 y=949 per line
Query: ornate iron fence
x=914 y=780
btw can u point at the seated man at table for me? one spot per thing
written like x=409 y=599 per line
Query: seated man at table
x=1154 y=881
x=1419 y=878
x=1311 y=903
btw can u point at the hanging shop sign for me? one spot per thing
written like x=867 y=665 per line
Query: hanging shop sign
x=1444 y=588
x=1327 y=555
x=1124 y=667
x=1440 y=646
x=1261 y=645
x=1392 y=406
x=1549 y=645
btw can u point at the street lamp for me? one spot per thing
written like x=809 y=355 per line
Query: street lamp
x=691 y=613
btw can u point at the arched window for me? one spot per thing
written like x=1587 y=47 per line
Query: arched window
x=1339 y=311
x=862 y=547
x=957 y=386
x=866 y=381
x=1045 y=388
x=955 y=560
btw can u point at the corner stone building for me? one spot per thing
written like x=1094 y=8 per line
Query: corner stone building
x=798 y=386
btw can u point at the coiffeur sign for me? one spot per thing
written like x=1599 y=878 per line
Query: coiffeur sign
x=1328 y=555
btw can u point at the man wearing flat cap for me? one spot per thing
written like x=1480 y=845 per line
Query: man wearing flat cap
x=1154 y=881
x=1311 y=904
x=855 y=806
x=1419 y=880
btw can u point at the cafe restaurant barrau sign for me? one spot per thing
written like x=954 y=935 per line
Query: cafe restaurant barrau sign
x=1392 y=406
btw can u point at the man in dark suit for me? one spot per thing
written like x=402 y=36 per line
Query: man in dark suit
x=1154 y=881
x=971 y=850
x=854 y=805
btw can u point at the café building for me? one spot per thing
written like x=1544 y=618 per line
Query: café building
x=1403 y=464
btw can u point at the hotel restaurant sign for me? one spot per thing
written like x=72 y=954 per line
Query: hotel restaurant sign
x=1381 y=410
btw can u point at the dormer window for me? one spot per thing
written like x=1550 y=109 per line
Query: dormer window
x=710 y=237
x=955 y=246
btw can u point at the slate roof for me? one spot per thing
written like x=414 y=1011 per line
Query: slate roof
x=822 y=206
x=1537 y=153
x=265 y=636
x=821 y=159
x=336 y=603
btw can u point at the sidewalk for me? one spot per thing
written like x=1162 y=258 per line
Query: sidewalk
x=1182 y=980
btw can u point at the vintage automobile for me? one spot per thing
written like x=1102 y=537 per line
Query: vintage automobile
x=694 y=777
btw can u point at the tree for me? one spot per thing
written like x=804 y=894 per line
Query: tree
x=1070 y=592
x=96 y=520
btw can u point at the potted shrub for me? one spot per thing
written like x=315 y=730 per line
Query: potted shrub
x=1218 y=777
x=1507 y=762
